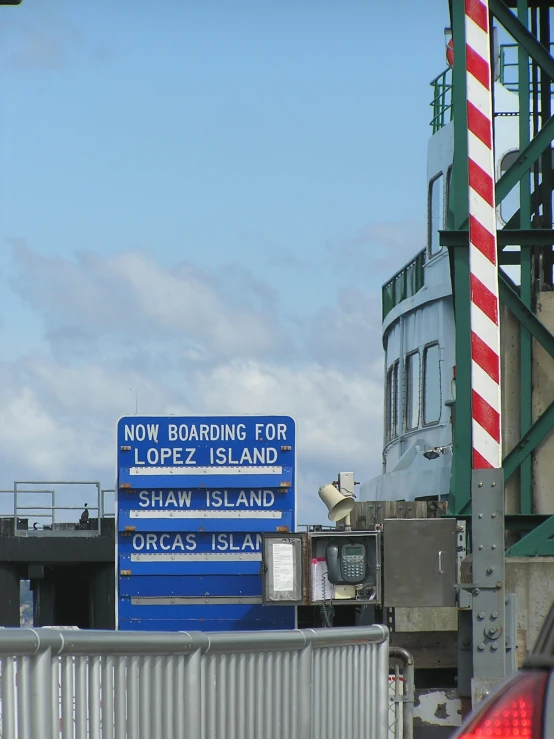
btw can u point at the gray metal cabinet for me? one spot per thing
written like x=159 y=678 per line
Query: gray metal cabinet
x=419 y=561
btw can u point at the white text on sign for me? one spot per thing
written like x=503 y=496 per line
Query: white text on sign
x=188 y=543
x=213 y=499
x=173 y=456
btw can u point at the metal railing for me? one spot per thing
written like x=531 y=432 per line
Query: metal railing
x=39 y=502
x=509 y=67
x=401 y=694
x=405 y=283
x=240 y=685
x=443 y=109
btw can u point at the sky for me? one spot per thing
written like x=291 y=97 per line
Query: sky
x=199 y=203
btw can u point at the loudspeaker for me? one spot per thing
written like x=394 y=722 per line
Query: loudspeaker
x=339 y=505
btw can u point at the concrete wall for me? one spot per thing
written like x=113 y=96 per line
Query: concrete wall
x=543 y=395
x=511 y=416
x=532 y=581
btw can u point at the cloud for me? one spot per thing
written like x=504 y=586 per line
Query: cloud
x=123 y=330
x=378 y=247
x=129 y=296
x=39 y=36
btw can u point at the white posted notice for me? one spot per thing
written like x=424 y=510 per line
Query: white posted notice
x=283 y=567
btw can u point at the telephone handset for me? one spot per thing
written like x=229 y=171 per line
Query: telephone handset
x=346 y=563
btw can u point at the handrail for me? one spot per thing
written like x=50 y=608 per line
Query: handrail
x=442 y=100
x=399 y=287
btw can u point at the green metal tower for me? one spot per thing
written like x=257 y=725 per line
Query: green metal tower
x=526 y=27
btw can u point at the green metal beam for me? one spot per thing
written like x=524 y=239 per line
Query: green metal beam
x=458 y=206
x=529 y=442
x=525 y=237
x=460 y=488
x=523 y=36
x=526 y=428
x=529 y=154
x=508 y=258
x=524 y=314
x=537 y=543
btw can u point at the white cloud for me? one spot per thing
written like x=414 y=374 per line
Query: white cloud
x=188 y=342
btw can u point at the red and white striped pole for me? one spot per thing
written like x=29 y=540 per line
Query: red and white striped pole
x=483 y=264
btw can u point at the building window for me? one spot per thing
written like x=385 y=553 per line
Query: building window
x=391 y=410
x=412 y=390
x=435 y=219
x=431 y=384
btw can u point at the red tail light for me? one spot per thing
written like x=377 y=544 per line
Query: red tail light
x=516 y=713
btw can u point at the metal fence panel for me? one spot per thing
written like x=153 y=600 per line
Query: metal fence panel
x=111 y=685
x=401 y=694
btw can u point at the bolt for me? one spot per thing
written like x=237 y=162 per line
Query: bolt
x=480 y=485
x=482 y=614
x=492 y=629
x=480 y=547
x=493 y=515
x=476 y=591
x=493 y=546
x=481 y=647
x=494 y=646
x=494 y=614
x=480 y=515
x=493 y=484
x=490 y=570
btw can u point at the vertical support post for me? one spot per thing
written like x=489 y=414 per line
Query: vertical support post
x=511 y=634
x=41 y=693
x=526 y=289
x=487 y=489
x=305 y=685
x=456 y=218
x=100 y=506
x=483 y=262
x=489 y=628
x=15 y=526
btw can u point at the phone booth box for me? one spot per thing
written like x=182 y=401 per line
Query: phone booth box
x=338 y=567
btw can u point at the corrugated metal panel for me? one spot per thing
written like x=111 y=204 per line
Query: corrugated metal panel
x=108 y=685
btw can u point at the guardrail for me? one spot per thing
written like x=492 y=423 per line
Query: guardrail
x=68 y=684
x=401 y=694
x=404 y=284
x=443 y=109
x=36 y=507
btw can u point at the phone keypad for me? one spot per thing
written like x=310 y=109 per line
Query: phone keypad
x=354 y=570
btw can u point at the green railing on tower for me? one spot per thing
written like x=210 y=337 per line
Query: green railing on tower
x=442 y=100
x=405 y=283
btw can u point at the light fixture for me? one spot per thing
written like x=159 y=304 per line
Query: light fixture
x=432 y=453
x=435 y=451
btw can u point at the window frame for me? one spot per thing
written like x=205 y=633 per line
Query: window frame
x=430 y=230
x=392 y=402
x=407 y=416
x=426 y=348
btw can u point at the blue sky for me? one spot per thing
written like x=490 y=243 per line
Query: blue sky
x=200 y=201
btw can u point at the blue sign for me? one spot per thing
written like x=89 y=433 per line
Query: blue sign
x=194 y=496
